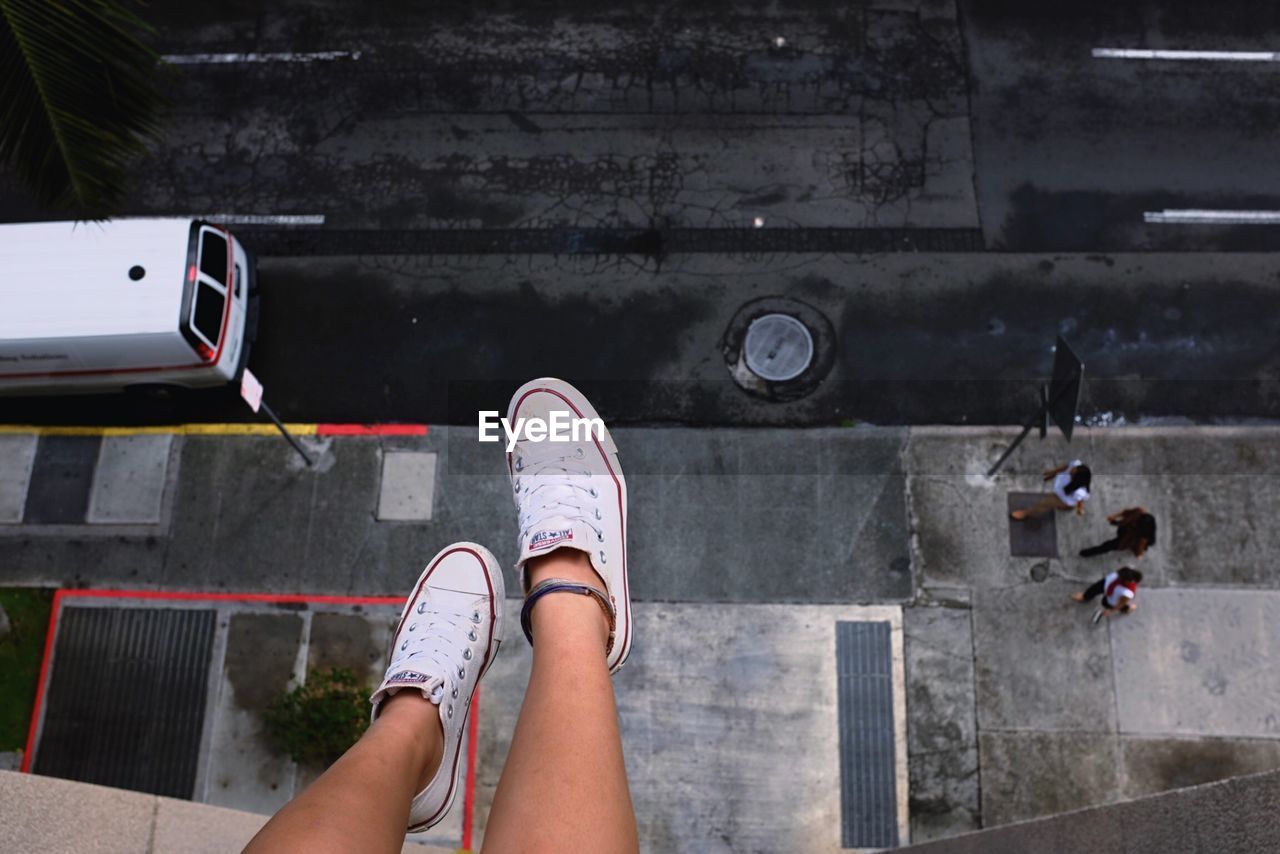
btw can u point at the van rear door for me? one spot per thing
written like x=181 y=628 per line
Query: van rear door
x=204 y=320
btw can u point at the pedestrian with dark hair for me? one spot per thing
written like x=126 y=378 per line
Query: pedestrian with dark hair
x=1135 y=532
x=1070 y=491
x=1117 y=589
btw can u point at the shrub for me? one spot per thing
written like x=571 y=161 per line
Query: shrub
x=318 y=720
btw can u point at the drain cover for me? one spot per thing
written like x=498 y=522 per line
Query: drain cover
x=778 y=347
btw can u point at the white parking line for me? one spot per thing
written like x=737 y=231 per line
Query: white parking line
x=261 y=219
x=226 y=58
x=1183 y=55
x=1213 y=217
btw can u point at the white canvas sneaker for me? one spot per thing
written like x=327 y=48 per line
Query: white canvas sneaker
x=449 y=634
x=570 y=492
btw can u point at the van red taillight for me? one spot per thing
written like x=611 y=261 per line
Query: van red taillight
x=204 y=351
x=191 y=273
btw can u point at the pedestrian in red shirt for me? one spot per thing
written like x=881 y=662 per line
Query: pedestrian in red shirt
x=1117 y=589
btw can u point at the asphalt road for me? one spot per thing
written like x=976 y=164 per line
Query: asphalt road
x=596 y=192
x=914 y=338
x=1072 y=150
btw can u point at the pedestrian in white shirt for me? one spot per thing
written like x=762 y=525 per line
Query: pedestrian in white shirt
x=1070 y=491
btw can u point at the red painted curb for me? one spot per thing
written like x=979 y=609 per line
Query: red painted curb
x=45 y=661
x=280 y=598
x=205 y=596
x=371 y=429
x=469 y=794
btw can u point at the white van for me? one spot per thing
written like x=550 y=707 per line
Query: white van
x=132 y=303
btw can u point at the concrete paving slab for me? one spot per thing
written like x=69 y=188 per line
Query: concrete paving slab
x=1040 y=664
x=1031 y=774
x=357 y=642
x=1036 y=536
x=272 y=523
x=710 y=699
x=961 y=515
x=58 y=493
x=942 y=735
x=17 y=454
x=1153 y=765
x=129 y=480
x=407 y=490
x=1199 y=662
x=1213 y=493
x=243 y=770
x=737 y=498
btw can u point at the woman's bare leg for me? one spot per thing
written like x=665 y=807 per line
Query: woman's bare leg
x=564 y=787
x=1044 y=505
x=362 y=802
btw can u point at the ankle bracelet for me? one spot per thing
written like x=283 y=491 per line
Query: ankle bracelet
x=556 y=585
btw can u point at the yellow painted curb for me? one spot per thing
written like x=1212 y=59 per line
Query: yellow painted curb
x=175 y=429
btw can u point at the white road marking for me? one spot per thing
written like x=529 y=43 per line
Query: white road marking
x=260 y=219
x=1213 y=217
x=227 y=58
x=1184 y=55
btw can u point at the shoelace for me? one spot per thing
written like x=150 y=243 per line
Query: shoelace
x=433 y=633
x=559 y=490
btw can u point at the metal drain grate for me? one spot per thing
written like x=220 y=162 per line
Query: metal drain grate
x=126 y=698
x=868 y=767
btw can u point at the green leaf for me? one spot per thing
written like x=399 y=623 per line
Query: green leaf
x=77 y=99
x=319 y=720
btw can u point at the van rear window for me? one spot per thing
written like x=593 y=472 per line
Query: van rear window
x=213 y=256
x=208 y=313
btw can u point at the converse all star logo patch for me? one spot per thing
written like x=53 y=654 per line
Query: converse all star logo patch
x=546 y=539
x=407 y=676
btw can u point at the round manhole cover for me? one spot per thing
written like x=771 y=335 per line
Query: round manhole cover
x=778 y=347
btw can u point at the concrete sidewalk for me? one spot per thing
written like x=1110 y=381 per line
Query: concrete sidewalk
x=1016 y=706
x=1019 y=707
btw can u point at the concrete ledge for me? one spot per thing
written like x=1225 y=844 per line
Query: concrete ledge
x=1236 y=815
x=52 y=816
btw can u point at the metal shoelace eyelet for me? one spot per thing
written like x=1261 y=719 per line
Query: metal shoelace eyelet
x=404 y=646
x=422 y=607
x=580 y=454
x=466 y=655
x=599 y=539
x=454 y=692
x=475 y=618
x=603 y=559
x=519 y=464
x=471 y=636
x=462 y=673
x=449 y=714
x=598 y=515
x=593 y=493
x=412 y=626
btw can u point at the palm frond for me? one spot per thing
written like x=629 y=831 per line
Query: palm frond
x=77 y=99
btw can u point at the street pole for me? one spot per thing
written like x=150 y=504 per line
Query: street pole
x=1039 y=417
x=280 y=426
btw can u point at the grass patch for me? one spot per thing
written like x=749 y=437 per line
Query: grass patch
x=20 y=654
